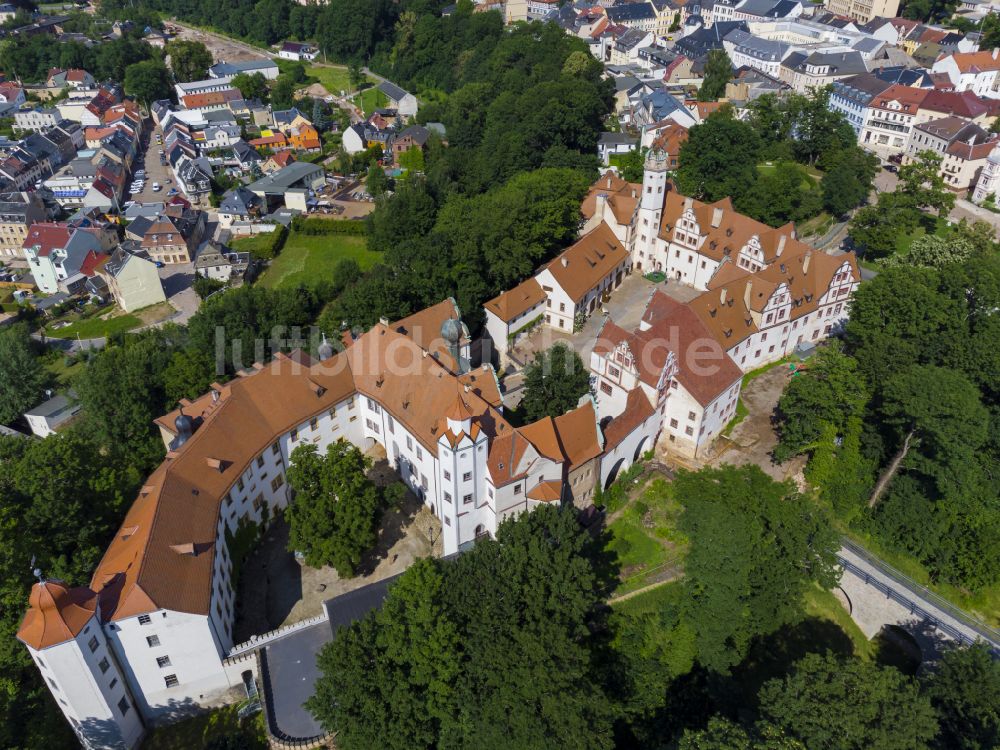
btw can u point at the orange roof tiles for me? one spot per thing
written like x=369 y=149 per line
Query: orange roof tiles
x=546 y=492
x=637 y=410
x=424 y=328
x=516 y=301
x=975 y=62
x=56 y=614
x=582 y=266
x=622 y=197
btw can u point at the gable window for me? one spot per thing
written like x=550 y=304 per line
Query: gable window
x=466 y=499
x=467 y=476
x=104 y=665
x=447 y=475
x=145 y=619
x=171 y=680
x=152 y=641
x=162 y=661
x=92 y=643
x=123 y=705
x=517 y=489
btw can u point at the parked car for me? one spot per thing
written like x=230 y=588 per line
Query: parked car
x=156 y=187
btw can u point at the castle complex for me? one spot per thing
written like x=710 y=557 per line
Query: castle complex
x=150 y=637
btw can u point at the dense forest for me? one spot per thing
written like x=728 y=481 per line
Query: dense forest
x=915 y=388
x=513 y=645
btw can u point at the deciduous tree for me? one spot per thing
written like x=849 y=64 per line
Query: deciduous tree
x=553 y=383
x=334 y=517
x=756 y=545
x=189 y=60
x=22 y=377
x=849 y=704
x=965 y=692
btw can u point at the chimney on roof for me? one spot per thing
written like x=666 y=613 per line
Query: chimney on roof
x=716 y=217
x=781 y=244
x=688 y=202
x=996 y=51
x=384 y=321
x=805 y=262
x=565 y=261
x=722 y=296
x=746 y=294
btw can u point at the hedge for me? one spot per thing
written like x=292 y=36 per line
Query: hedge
x=304 y=225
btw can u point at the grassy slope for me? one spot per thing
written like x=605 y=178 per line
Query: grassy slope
x=307 y=259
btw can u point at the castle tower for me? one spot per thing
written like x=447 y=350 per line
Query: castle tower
x=654 y=180
x=62 y=630
x=462 y=451
x=654 y=189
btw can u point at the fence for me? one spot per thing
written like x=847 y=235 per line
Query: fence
x=906 y=585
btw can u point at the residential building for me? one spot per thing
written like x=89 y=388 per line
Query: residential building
x=57 y=251
x=972 y=71
x=132 y=278
x=11 y=94
x=238 y=204
x=73 y=78
x=171 y=237
x=610 y=144
x=989 y=179
x=638 y=15
x=820 y=69
x=864 y=10
x=35 y=119
x=52 y=414
x=18 y=211
x=853 y=96
x=892 y=117
x=963 y=146
x=218 y=262
x=206 y=86
x=298 y=51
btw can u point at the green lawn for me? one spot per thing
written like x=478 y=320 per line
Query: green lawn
x=95 y=328
x=933 y=225
x=306 y=259
x=195 y=733
x=370 y=99
x=334 y=79
x=645 y=538
x=61 y=371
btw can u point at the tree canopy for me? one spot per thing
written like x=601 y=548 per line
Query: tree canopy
x=756 y=545
x=553 y=383
x=495 y=649
x=22 y=378
x=849 y=705
x=189 y=60
x=334 y=517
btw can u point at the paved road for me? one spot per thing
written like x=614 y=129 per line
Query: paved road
x=70 y=346
x=949 y=619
